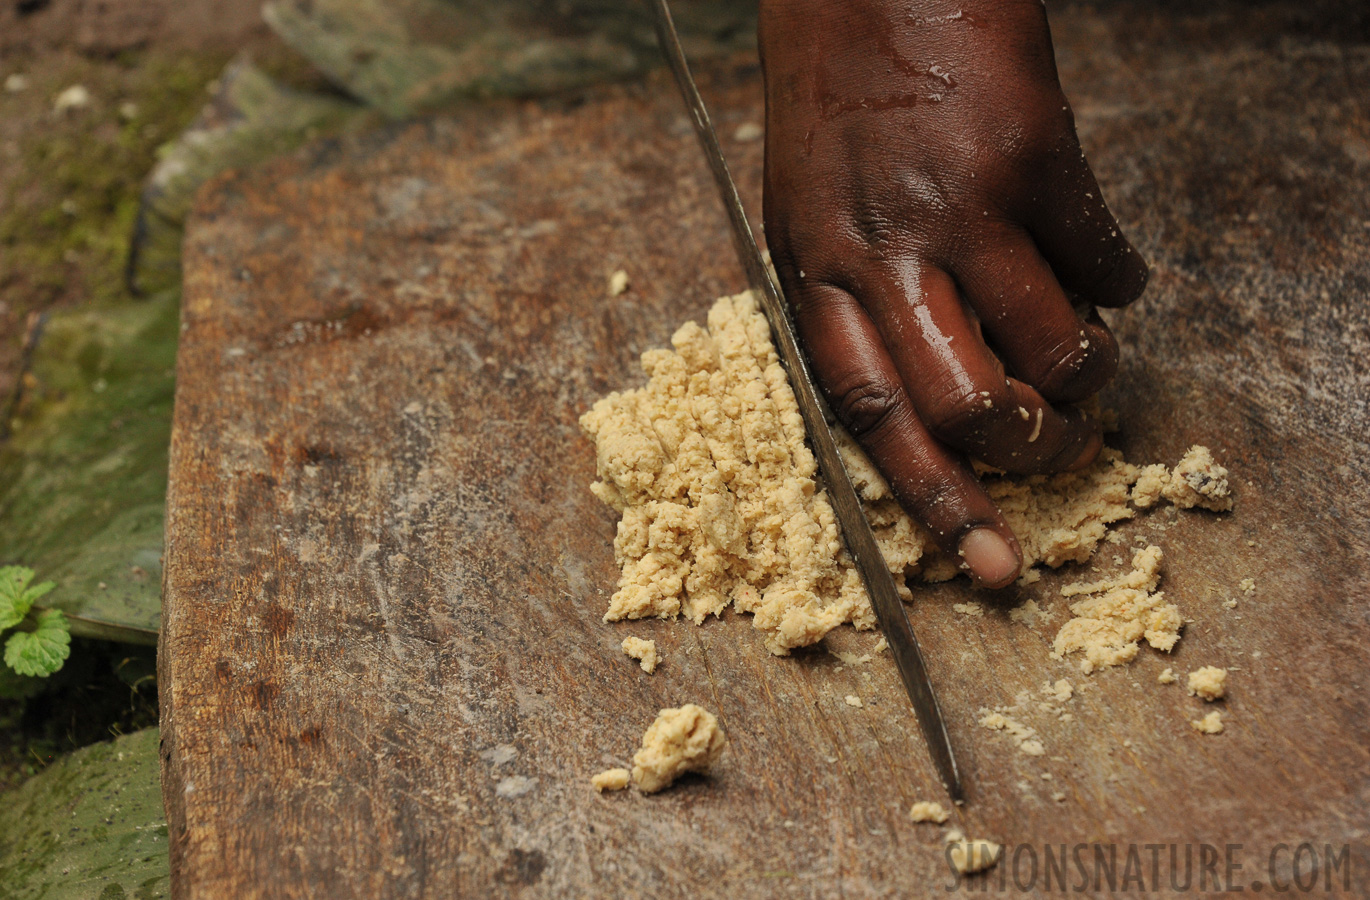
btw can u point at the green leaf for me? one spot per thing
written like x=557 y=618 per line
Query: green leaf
x=89 y=825
x=16 y=597
x=42 y=651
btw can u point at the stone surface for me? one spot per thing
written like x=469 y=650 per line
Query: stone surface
x=383 y=670
x=88 y=826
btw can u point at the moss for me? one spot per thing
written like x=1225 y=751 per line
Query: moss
x=67 y=210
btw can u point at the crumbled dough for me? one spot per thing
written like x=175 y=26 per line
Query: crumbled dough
x=618 y=283
x=708 y=467
x=1023 y=737
x=642 y=651
x=1029 y=614
x=681 y=740
x=610 y=780
x=1199 y=481
x=853 y=701
x=1209 y=724
x=970 y=855
x=1117 y=613
x=1248 y=585
x=1061 y=691
x=973 y=609
x=1167 y=676
x=929 y=811
x=1210 y=683
x=1151 y=481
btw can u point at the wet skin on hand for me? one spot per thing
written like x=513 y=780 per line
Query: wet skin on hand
x=943 y=245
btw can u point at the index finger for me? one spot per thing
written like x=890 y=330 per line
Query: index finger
x=933 y=483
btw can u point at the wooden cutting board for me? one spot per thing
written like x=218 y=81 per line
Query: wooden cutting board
x=383 y=668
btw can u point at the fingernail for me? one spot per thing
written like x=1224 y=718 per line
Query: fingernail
x=989 y=556
x=1089 y=454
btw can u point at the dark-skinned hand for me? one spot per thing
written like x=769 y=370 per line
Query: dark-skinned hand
x=937 y=231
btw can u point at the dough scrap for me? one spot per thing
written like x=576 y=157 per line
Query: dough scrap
x=687 y=739
x=1117 y=613
x=1061 y=691
x=929 y=811
x=643 y=651
x=1024 y=737
x=1167 y=676
x=970 y=856
x=1209 y=724
x=708 y=467
x=1199 y=481
x=1210 y=683
x=610 y=780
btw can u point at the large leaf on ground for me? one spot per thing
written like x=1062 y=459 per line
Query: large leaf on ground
x=89 y=826
x=83 y=473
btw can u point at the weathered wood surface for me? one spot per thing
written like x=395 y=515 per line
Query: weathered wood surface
x=383 y=670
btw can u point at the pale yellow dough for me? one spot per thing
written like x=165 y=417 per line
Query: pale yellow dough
x=708 y=467
x=929 y=811
x=610 y=780
x=1209 y=724
x=1210 y=683
x=1199 y=481
x=682 y=740
x=970 y=856
x=642 y=651
x=1117 y=613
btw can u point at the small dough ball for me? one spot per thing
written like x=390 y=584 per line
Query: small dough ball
x=682 y=740
x=610 y=780
x=642 y=651
x=1209 y=724
x=970 y=855
x=1198 y=480
x=1210 y=683
x=929 y=811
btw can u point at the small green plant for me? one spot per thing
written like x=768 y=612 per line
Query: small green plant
x=41 y=641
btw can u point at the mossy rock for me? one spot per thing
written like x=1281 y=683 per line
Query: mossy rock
x=83 y=475
x=89 y=826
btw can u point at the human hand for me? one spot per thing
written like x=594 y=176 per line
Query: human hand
x=933 y=221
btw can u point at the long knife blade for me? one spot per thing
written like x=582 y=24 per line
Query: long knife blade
x=889 y=609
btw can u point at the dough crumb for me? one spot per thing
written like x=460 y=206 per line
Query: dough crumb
x=1024 y=737
x=1058 y=796
x=618 y=283
x=929 y=811
x=1150 y=483
x=969 y=856
x=1029 y=614
x=1210 y=683
x=1248 y=585
x=1167 y=676
x=1117 y=613
x=610 y=780
x=972 y=609
x=682 y=740
x=1061 y=691
x=1198 y=480
x=853 y=701
x=1209 y=724
x=642 y=651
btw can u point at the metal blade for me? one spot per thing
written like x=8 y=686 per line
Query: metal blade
x=889 y=609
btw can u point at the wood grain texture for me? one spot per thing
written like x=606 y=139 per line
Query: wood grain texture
x=383 y=669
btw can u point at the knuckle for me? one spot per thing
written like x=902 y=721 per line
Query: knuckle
x=967 y=418
x=867 y=404
x=1080 y=370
